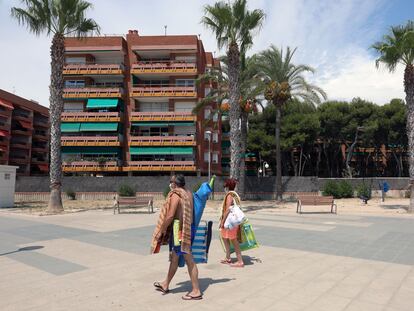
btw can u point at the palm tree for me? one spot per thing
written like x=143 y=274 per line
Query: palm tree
x=284 y=80
x=249 y=90
x=59 y=18
x=233 y=26
x=397 y=48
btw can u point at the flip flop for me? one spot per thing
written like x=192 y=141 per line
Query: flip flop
x=237 y=265
x=225 y=261
x=189 y=297
x=159 y=287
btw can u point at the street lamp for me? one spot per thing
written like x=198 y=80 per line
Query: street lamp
x=209 y=153
x=265 y=166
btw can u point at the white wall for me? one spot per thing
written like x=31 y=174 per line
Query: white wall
x=7 y=185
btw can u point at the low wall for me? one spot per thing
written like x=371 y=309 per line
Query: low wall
x=88 y=187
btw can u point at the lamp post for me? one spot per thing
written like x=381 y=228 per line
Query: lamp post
x=209 y=153
x=265 y=166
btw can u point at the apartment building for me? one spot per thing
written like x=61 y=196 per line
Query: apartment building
x=24 y=134
x=129 y=102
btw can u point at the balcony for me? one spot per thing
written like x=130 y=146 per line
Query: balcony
x=93 y=69
x=40 y=136
x=90 y=141
x=165 y=166
x=93 y=92
x=162 y=141
x=165 y=90
x=90 y=117
x=19 y=159
x=164 y=67
x=40 y=149
x=19 y=145
x=40 y=122
x=90 y=166
x=163 y=116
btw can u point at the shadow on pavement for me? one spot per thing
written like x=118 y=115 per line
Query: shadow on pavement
x=250 y=260
x=23 y=249
x=204 y=284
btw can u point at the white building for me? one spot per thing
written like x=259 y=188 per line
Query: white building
x=7 y=185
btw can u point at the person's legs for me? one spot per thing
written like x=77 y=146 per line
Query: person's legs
x=226 y=243
x=171 y=271
x=237 y=250
x=193 y=272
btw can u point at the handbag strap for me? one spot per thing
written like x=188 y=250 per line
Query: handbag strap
x=235 y=197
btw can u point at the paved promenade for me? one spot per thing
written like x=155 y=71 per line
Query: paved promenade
x=97 y=261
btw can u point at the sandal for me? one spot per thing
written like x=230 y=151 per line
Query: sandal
x=159 y=287
x=237 y=265
x=189 y=297
x=226 y=261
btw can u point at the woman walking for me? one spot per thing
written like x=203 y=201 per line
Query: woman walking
x=230 y=235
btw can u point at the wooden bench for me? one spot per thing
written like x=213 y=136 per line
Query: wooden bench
x=315 y=201
x=134 y=202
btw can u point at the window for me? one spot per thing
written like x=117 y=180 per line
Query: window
x=206 y=155
x=75 y=60
x=207 y=91
x=215 y=117
x=215 y=158
x=73 y=107
x=7 y=176
x=206 y=135
x=74 y=83
x=215 y=137
x=187 y=58
x=184 y=82
x=153 y=107
x=207 y=113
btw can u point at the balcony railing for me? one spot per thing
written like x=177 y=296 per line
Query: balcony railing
x=164 y=90
x=90 y=166
x=93 y=69
x=41 y=122
x=185 y=166
x=162 y=141
x=40 y=136
x=40 y=149
x=92 y=91
x=90 y=141
x=19 y=145
x=90 y=117
x=162 y=116
x=157 y=67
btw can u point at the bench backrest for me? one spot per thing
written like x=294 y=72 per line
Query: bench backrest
x=315 y=200
x=134 y=200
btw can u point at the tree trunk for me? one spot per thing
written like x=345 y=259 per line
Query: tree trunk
x=57 y=52
x=233 y=55
x=243 y=147
x=349 y=155
x=318 y=160
x=409 y=98
x=278 y=155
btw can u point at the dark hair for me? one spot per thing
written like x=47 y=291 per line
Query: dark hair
x=230 y=183
x=180 y=180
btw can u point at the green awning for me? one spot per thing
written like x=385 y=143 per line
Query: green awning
x=160 y=150
x=69 y=127
x=162 y=124
x=102 y=103
x=99 y=126
x=225 y=144
x=90 y=150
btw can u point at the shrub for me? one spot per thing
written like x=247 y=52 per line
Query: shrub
x=407 y=194
x=363 y=190
x=71 y=194
x=126 y=191
x=345 y=189
x=166 y=191
x=331 y=188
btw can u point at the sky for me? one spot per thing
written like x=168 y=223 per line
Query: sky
x=334 y=37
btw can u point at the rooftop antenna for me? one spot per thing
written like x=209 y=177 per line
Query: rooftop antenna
x=199 y=36
x=14 y=90
x=165 y=30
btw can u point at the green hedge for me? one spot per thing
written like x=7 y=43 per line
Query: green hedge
x=338 y=190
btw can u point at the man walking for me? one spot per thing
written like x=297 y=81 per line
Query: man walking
x=174 y=227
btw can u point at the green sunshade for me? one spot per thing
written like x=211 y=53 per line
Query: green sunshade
x=69 y=127
x=225 y=143
x=102 y=103
x=162 y=124
x=90 y=150
x=160 y=150
x=99 y=126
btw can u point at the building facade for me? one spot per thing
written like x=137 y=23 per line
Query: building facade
x=128 y=106
x=24 y=134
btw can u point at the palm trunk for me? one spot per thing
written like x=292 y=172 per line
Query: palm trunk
x=233 y=55
x=57 y=52
x=278 y=155
x=409 y=98
x=242 y=179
